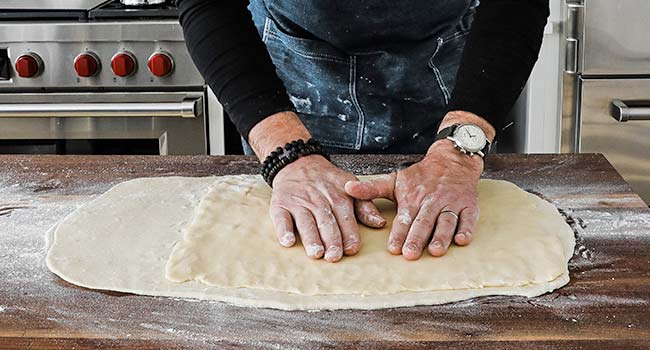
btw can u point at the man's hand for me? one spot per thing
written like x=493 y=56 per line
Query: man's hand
x=309 y=197
x=443 y=181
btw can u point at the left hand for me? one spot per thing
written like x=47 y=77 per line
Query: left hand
x=444 y=180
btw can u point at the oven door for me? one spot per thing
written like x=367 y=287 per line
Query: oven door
x=174 y=121
x=614 y=120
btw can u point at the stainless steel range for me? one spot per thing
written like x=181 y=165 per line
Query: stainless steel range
x=606 y=85
x=100 y=72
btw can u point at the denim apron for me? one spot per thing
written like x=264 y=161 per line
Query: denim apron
x=367 y=76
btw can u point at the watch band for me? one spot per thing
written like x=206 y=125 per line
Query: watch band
x=486 y=149
x=449 y=131
x=446 y=132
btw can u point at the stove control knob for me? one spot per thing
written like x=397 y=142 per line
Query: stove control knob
x=86 y=64
x=161 y=64
x=29 y=65
x=123 y=64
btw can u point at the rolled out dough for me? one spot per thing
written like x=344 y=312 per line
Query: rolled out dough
x=212 y=238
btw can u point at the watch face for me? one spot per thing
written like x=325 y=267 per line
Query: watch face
x=470 y=137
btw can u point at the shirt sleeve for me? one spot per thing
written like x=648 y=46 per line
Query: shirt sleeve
x=227 y=50
x=500 y=52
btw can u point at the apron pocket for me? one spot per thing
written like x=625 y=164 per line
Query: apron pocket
x=446 y=57
x=445 y=61
x=320 y=81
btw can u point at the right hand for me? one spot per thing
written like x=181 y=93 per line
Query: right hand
x=309 y=199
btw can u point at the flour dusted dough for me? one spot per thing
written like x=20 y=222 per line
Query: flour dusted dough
x=211 y=238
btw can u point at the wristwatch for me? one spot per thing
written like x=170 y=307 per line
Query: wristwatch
x=468 y=138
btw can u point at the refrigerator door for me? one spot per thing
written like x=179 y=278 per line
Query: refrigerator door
x=58 y=5
x=614 y=37
x=626 y=144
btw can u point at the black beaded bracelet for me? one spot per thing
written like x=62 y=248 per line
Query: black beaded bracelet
x=282 y=157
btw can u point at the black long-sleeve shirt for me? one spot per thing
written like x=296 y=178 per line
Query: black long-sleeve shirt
x=500 y=52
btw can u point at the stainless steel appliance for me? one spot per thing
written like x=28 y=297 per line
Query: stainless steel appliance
x=98 y=70
x=606 y=85
x=142 y=2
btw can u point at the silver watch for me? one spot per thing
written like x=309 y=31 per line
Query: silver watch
x=468 y=138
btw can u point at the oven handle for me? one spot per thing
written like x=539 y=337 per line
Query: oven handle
x=188 y=108
x=622 y=112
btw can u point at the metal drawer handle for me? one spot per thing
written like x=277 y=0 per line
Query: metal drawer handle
x=623 y=112
x=189 y=108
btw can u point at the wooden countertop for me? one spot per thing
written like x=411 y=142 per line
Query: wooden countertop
x=605 y=306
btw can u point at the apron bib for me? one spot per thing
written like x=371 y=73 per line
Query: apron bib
x=378 y=84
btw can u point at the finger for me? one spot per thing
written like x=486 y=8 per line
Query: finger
x=368 y=214
x=329 y=231
x=467 y=225
x=400 y=228
x=381 y=187
x=421 y=229
x=283 y=226
x=344 y=213
x=443 y=234
x=308 y=232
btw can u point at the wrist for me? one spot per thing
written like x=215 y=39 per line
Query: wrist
x=463 y=117
x=445 y=149
x=285 y=156
x=302 y=165
x=276 y=131
x=307 y=162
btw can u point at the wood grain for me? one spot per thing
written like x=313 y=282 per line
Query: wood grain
x=605 y=306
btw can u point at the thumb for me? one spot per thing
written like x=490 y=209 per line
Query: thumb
x=380 y=187
x=368 y=214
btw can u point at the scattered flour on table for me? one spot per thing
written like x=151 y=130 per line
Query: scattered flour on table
x=25 y=277
x=22 y=242
x=29 y=288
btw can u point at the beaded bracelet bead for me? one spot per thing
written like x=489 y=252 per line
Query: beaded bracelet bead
x=282 y=157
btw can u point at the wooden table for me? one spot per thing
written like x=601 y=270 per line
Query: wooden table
x=605 y=306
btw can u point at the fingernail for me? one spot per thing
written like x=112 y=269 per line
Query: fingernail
x=333 y=253
x=314 y=250
x=350 y=244
x=412 y=247
x=288 y=239
x=394 y=247
x=464 y=235
x=377 y=220
x=436 y=244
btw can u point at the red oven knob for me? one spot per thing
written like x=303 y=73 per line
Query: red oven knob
x=123 y=64
x=29 y=65
x=86 y=65
x=161 y=64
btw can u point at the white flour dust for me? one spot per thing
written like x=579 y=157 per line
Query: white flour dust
x=404 y=217
x=40 y=204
